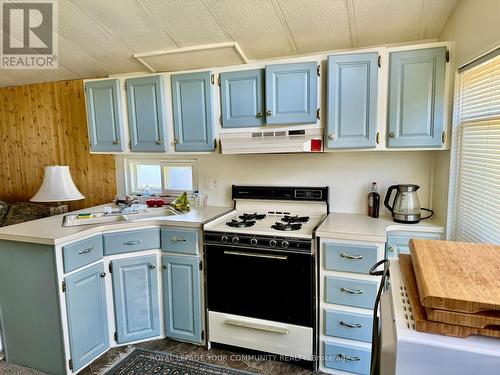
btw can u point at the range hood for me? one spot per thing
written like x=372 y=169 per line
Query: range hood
x=272 y=141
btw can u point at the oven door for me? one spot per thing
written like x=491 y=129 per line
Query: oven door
x=260 y=283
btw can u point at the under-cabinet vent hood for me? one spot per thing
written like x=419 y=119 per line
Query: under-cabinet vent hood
x=272 y=141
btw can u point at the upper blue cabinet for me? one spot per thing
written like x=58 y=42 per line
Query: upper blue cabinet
x=352 y=101
x=192 y=99
x=291 y=93
x=146 y=114
x=416 y=97
x=242 y=98
x=104 y=116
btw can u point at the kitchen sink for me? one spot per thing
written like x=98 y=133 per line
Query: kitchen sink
x=73 y=220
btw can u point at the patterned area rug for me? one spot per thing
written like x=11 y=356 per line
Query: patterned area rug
x=145 y=362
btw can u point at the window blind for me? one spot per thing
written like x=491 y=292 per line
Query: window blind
x=477 y=190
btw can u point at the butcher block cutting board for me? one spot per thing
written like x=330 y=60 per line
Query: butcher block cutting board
x=478 y=320
x=457 y=276
x=422 y=324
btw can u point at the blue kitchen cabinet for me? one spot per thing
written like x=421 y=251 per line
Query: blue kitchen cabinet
x=104 y=116
x=135 y=293
x=416 y=97
x=182 y=297
x=87 y=315
x=291 y=93
x=192 y=99
x=352 y=100
x=242 y=98
x=146 y=114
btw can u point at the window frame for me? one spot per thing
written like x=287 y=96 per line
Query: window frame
x=131 y=173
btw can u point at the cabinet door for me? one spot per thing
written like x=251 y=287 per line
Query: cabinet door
x=87 y=315
x=416 y=97
x=242 y=98
x=182 y=297
x=352 y=100
x=193 y=111
x=146 y=114
x=291 y=93
x=104 y=116
x=135 y=296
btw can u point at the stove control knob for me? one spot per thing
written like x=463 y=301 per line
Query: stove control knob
x=253 y=241
x=284 y=244
x=236 y=240
x=224 y=238
x=272 y=243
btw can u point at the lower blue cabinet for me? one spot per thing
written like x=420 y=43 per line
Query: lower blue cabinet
x=135 y=294
x=87 y=315
x=182 y=297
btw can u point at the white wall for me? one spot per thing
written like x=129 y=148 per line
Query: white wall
x=348 y=174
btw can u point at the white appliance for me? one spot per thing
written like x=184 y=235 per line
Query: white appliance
x=260 y=270
x=404 y=351
x=269 y=140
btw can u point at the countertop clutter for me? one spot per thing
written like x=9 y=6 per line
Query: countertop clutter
x=50 y=231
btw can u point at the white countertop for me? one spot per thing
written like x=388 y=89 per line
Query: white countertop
x=365 y=228
x=50 y=231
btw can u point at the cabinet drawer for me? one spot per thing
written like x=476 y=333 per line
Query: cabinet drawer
x=124 y=242
x=81 y=253
x=399 y=244
x=350 y=292
x=349 y=325
x=347 y=358
x=349 y=258
x=183 y=241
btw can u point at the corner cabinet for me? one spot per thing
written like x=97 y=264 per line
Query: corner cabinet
x=146 y=114
x=242 y=98
x=416 y=97
x=192 y=100
x=104 y=115
x=352 y=101
x=182 y=296
x=135 y=296
x=291 y=93
x=87 y=315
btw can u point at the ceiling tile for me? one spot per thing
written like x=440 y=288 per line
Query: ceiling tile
x=386 y=21
x=187 y=21
x=95 y=41
x=72 y=57
x=435 y=15
x=21 y=76
x=128 y=21
x=254 y=25
x=317 y=25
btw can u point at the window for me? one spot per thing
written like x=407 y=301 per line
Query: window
x=475 y=181
x=160 y=176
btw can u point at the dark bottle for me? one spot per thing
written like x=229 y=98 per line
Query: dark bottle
x=373 y=201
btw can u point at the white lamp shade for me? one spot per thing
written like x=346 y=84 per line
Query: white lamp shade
x=57 y=186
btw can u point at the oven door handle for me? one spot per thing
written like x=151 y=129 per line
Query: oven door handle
x=260 y=327
x=256 y=255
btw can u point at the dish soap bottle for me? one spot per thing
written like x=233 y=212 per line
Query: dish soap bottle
x=373 y=201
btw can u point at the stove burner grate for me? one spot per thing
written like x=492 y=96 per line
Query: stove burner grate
x=295 y=219
x=240 y=224
x=254 y=216
x=286 y=227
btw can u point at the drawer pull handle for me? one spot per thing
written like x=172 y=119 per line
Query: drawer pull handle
x=136 y=242
x=255 y=255
x=87 y=250
x=353 y=257
x=178 y=239
x=350 y=325
x=347 y=358
x=259 y=327
x=351 y=291
x=390 y=249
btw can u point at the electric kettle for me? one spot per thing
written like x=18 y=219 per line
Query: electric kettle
x=405 y=206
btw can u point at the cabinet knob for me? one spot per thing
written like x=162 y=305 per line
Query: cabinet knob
x=115 y=142
x=176 y=141
x=392 y=135
x=103 y=274
x=269 y=113
x=258 y=115
x=152 y=266
x=332 y=137
x=159 y=142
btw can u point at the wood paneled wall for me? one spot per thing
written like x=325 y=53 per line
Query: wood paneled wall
x=45 y=124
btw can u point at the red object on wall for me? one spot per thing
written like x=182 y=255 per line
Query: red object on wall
x=315 y=145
